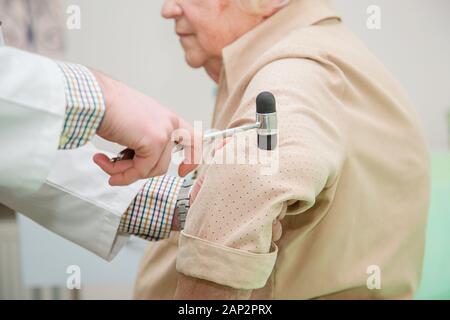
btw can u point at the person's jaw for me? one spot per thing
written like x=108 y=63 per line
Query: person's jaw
x=213 y=67
x=197 y=58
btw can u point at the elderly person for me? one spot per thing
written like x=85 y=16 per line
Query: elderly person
x=352 y=189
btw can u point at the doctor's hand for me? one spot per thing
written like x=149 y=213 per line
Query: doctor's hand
x=141 y=124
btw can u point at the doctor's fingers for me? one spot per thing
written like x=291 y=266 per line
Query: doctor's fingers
x=193 y=157
x=163 y=163
x=112 y=167
x=277 y=230
x=196 y=189
x=128 y=177
x=184 y=169
x=193 y=146
x=141 y=168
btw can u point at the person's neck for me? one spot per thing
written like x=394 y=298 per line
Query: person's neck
x=213 y=68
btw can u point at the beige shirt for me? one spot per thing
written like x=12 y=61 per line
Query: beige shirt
x=352 y=186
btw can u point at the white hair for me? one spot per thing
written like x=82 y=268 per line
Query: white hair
x=257 y=6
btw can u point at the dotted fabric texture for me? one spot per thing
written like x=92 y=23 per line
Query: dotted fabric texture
x=237 y=203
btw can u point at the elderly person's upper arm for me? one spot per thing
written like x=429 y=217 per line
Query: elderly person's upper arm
x=227 y=239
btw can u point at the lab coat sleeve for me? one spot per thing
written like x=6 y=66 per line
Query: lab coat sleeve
x=77 y=203
x=32 y=108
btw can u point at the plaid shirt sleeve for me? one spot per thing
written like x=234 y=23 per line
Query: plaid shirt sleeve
x=151 y=213
x=85 y=106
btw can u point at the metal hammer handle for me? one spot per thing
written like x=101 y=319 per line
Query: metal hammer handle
x=128 y=154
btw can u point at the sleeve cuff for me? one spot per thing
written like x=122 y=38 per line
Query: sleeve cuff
x=151 y=213
x=85 y=106
x=235 y=268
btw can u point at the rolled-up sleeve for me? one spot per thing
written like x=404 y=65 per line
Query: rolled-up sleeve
x=228 y=233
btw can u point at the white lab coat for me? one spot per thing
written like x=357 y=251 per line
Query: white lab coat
x=64 y=191
x=32 y=110
x=77 y=203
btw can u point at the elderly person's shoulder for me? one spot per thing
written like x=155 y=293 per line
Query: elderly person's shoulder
x=314 y=52
x=317 y=57
x=312 y=41
x=306 y=58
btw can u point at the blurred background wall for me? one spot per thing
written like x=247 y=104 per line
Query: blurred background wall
x=130 y=41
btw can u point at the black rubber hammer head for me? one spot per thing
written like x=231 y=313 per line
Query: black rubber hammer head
x=266 y=115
